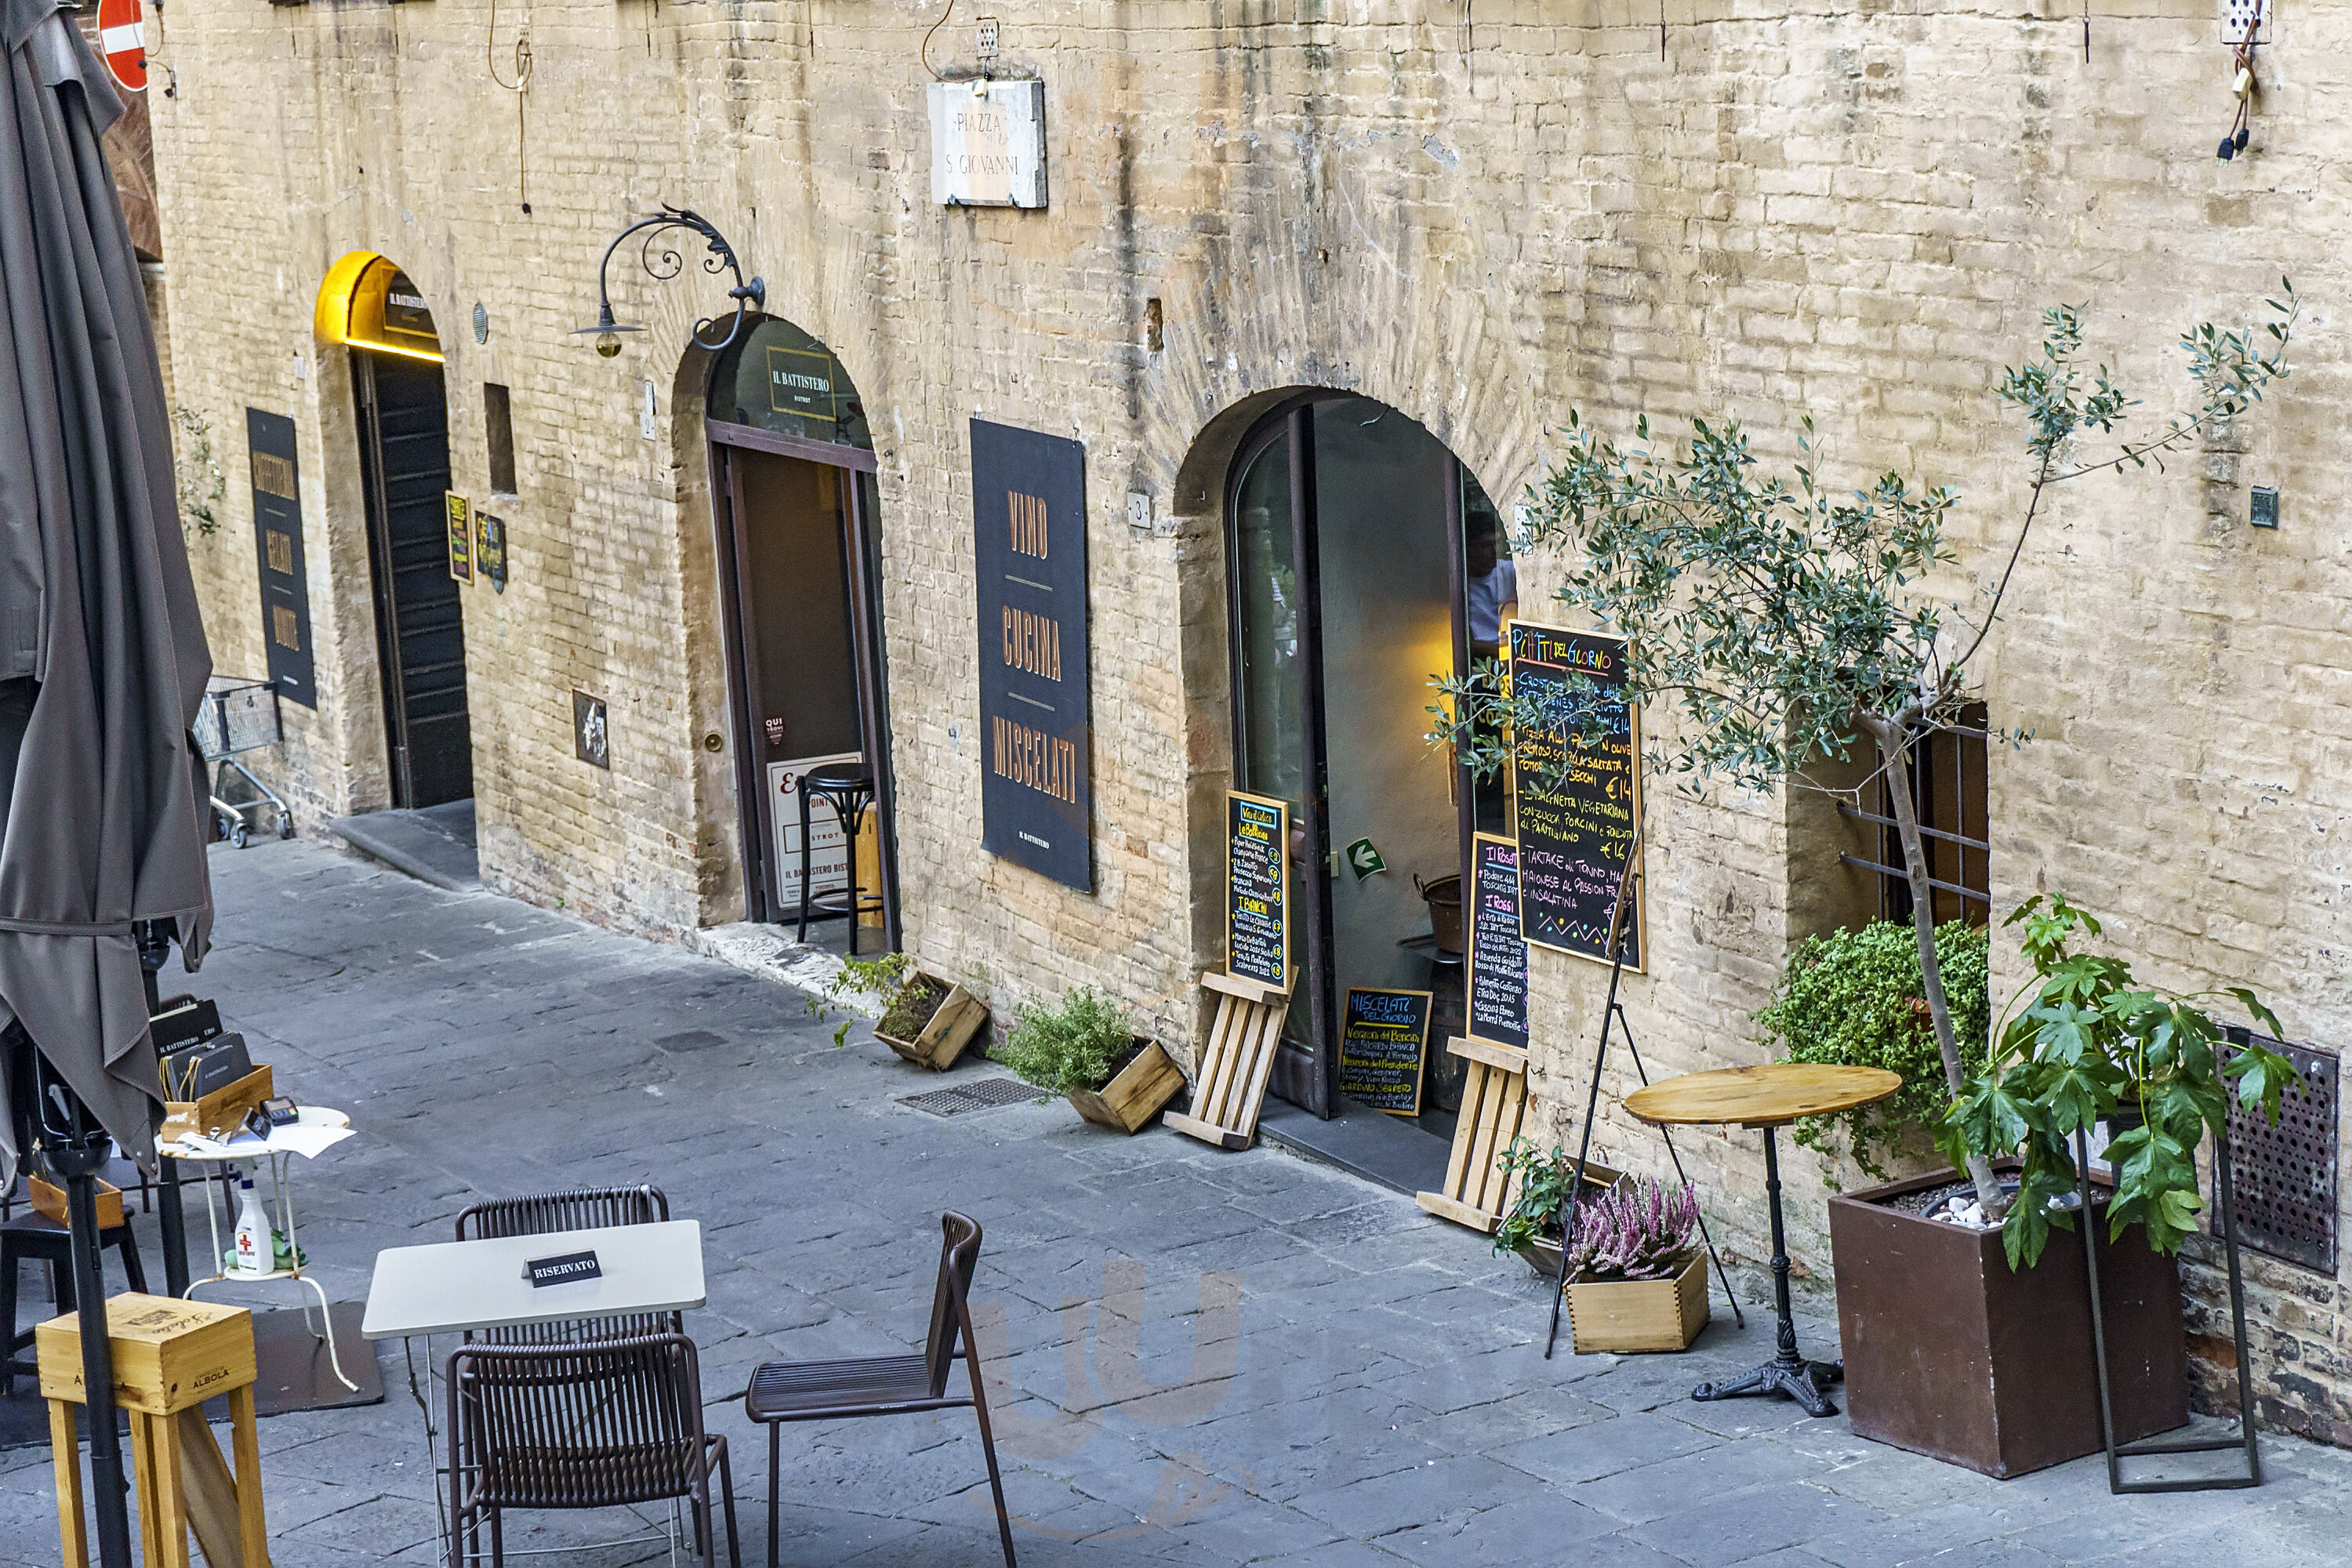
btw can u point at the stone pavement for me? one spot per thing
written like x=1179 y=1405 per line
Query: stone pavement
x=1205 y=1358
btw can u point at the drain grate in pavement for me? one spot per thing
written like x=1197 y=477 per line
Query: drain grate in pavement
x=965 y=1098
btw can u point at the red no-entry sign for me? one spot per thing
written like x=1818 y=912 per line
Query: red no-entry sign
x=123 y=39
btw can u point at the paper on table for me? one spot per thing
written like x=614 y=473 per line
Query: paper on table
x=318 y=1132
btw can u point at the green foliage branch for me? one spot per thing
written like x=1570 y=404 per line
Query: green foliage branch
x=1074 y=1044
x=1791 y=623
x=858 y=977
x=201 y=483
x=1857 y=998
x=2089 y=1042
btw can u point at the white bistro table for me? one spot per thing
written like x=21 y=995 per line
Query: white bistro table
x=461 y=1287
x=317 y=1130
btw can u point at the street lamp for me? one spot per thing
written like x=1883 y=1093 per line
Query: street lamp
x=667 y=263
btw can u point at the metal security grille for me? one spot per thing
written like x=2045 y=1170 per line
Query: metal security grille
x=2285 y=1175
x=965 y=1098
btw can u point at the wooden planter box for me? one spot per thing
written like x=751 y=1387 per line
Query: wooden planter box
x=946 y=1032
x=1636 y=1315
x=1950 y=1353
x=1134 y=1093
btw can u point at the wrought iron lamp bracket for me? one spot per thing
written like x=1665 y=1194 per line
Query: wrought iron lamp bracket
x=661 y=261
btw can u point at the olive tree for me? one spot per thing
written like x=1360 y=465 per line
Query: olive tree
x=1794 y=624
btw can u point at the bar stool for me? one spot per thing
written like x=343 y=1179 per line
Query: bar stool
x=36 y=1239
x=848 y=788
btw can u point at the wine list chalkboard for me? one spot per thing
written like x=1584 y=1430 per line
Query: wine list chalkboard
x=1578 y=807
x=1499 y=952
x=1257 y=890
x=1382 y=1039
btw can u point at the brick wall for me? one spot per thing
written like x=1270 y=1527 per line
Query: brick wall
x=1483 y=217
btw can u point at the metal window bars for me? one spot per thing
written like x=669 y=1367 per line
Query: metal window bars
x=1956 y=755
x=241 y=716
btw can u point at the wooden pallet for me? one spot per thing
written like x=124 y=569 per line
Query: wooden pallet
x=1234 y=1067
x=1494 y=1104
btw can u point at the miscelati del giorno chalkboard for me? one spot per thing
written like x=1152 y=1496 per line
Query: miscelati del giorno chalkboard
x=1382 y=1035
x=1577 y=832
x=1257 y=890
x=1499 y=952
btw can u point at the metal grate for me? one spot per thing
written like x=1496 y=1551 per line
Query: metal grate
x=965 y=1098
x=2285 y=1175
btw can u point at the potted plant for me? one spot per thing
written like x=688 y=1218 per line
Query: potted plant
x=930 y=1020
x=1083 y=1049
x=1537 y=1183
x=1969 y=1337
x=1635 y=1279
x=1857 y=998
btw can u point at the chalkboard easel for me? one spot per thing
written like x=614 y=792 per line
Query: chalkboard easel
x=1496 y=1003
x=1383 y=1040
x=1257 y=890
x=1578 y=805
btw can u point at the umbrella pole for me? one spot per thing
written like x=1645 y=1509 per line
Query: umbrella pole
x=154 y=946
x=77 y=1158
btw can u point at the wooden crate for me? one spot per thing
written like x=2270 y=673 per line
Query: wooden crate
x=1135 y=1094
x=1640 y=1314
x=222 y=1110
x=1234 y=1064
x=950 y=1030
x=168 y=1355
x=51 y=1202
x=1493 y=1106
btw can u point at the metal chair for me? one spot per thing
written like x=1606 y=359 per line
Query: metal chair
x=586 y=1208
x=783 y=1391
x=589 y=1424
x=848 y=788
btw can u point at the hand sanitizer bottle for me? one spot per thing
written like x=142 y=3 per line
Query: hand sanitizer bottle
x=253 y=1239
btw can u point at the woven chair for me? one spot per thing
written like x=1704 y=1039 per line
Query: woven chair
x=595 y=1423
x=783 y=1391
x=588 y=1208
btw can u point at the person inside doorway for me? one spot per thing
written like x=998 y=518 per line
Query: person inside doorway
x=1492 y=578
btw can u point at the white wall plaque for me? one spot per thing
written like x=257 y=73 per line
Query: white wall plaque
x=988 y=144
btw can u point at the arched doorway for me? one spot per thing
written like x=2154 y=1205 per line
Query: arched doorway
x=792 y=481
x=1362 y=559
x=369 y=305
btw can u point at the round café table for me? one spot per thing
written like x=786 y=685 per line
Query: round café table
x=1768 y=1097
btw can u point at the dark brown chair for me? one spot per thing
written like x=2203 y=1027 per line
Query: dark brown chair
x=592 y=1423
x=783 y=1391
x=588 y=1208
x=34 y=1238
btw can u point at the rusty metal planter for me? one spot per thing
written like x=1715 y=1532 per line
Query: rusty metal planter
x=1950 y=1353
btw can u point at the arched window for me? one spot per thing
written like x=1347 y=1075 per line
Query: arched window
x=777 y=377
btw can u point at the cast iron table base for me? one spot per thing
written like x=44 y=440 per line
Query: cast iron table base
x=1788 y=1374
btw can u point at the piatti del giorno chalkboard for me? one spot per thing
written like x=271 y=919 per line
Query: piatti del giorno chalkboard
x=1577 y=831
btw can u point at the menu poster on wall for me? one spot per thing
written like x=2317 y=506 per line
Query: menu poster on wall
x=1029 y=513
x=277 y=537
x=1382 y=1036
x=1257 y=890
x=461 y=536
x=1578 y=807
x=490 y=549
x=1499 y=952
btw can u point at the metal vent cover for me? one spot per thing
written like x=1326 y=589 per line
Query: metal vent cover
x=2285 y=1175
x=962 y=1099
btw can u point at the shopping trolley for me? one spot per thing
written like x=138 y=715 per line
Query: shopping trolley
x=241 y=716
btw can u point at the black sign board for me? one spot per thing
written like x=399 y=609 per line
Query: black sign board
x=569 y=1268
x=1029 y=510
x=490 y=548
x=1576 y=834
x=1257 y=890
x=592 y=734
x=277 y=537
x=1497 y=1002
x=1382 y=1039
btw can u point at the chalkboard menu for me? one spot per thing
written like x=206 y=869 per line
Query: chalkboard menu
x=1257 y=890
x=1382 y=1039
x=1029 y=515
x=277 y=537
x=1577 y=832
x=1498 y=953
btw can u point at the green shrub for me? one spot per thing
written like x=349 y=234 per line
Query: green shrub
x=1074 y=1045
x=1855 y=998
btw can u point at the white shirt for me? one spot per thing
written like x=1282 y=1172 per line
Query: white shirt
x=1489 y=595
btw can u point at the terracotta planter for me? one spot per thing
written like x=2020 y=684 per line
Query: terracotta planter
x=1949 y=1353
x=1637 y=1315
x=1134 y=1093
x=946 y=1033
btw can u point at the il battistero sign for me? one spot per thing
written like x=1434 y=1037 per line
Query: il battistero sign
x=1029 y=503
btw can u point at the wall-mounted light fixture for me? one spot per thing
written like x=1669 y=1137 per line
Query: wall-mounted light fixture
x=665 y=263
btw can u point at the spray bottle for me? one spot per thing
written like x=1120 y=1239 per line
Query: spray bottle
x=254 y=1247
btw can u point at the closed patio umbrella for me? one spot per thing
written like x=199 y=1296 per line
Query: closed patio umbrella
x=103 y=655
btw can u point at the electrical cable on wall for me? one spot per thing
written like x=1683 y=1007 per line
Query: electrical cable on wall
x=2242 y=83
x=521 y=79
x=925 y=52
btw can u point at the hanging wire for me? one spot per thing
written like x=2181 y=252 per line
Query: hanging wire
x=521 y=79
x=925 y=52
